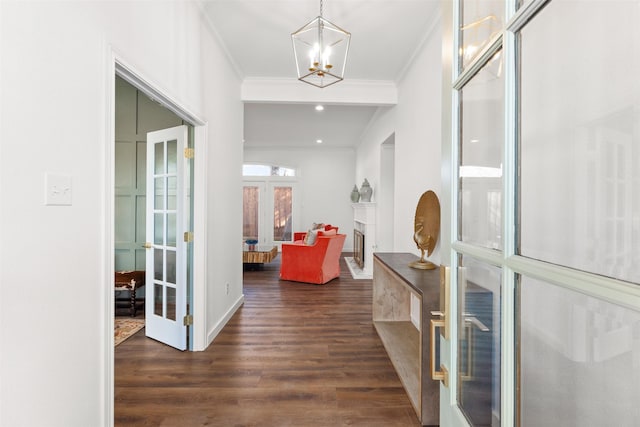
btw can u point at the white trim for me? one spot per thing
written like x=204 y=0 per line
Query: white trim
x=154 y=91
x=524 y=14
x=213 y=333
x=508 y=336
x=116 y=65
x=611 y=290
x=490 y=256
x=479 y=62
x=108 y=244
x=290 y=90
x=200 y=247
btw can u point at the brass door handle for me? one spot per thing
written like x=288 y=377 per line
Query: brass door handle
x=147 y=245
x=442 y=374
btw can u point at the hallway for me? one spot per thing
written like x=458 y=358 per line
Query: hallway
x=293 y=355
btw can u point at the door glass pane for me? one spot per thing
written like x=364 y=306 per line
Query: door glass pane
x=158 y=229
x=157 y=300
x=172 y=155
x=171 y=267
x=157 y=264
x=580 y=138
x=250 y=210
x=159 y=158
x=159 y=193
x=479 y=341
x=171 y=229
x=481 y=147
x=171 y=303
x=172 y=186
x=481 y=21
x=282 y=207
x=579 y=359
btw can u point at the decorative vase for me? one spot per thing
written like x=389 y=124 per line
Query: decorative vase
x=355 y=194
x=366 y=191
x=251 y=244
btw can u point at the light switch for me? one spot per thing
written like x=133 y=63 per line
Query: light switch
x=57 y=190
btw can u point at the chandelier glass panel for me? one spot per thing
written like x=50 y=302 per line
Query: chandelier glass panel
x=321 y=49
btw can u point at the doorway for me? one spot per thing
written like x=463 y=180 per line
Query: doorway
x=136 y=117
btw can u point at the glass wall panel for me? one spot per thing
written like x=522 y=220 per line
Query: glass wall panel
x=481 y=21
x=579 y=359
x=580 y=137
x=479 y=329
x=481 y=148
x=282 y=208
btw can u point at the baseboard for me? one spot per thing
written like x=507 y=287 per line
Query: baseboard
x=213 y=333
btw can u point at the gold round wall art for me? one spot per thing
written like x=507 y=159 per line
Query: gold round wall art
x=426 y=228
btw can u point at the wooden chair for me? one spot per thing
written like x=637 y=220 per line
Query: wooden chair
x=129 y=281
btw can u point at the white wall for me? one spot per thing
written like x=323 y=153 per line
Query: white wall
x=54 y=117
x=416 y=121
x=325 y=183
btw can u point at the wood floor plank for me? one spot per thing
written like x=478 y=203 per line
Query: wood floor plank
x=294 y=354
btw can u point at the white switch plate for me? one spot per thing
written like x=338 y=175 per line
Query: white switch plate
x=57 y=190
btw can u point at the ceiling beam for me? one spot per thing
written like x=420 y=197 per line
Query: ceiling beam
x=349 y=92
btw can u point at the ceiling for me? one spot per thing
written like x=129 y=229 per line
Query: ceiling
x=257 y=36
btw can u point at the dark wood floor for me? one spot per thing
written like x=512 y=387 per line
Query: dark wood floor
x=293 y=355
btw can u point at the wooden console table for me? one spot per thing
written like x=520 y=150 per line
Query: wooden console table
x=408 y=348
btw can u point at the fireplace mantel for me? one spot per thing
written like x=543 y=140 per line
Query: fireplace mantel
x=364 y=220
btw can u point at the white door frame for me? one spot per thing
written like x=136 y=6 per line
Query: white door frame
x=116 y=65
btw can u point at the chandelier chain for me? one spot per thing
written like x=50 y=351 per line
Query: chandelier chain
x=321 y=8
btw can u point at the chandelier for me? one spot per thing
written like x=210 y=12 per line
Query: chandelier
x=320 y=49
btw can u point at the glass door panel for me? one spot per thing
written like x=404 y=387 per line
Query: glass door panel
x=479 y=341
x=251 y=195
x=580 y=144
x=579 y=359
x=282 y=211
x=268 y=212
x=481 y=148
x=481 y=21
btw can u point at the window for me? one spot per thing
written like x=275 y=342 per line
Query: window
x=267 y=170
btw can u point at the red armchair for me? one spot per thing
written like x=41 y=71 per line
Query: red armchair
x=317 y=263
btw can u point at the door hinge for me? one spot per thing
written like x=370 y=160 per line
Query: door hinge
x=188 y=153
x=188 y=320
x=188 y=236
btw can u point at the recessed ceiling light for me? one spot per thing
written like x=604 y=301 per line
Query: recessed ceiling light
x=318 y=141
x=319 y=107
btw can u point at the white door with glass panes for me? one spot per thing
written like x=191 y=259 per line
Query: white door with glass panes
x=543 y=131
x=268 y=211
x=166 y=276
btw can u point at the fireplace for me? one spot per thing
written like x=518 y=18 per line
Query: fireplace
x=364 y=238
x=358 y=248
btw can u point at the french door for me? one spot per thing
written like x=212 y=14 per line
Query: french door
x=167 y=236
x=545 y=147
x=269 y=211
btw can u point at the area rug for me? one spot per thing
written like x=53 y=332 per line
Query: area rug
x=125 y=328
